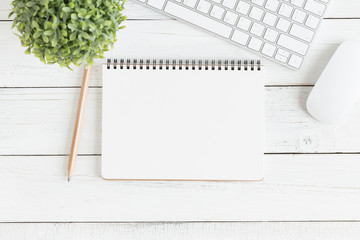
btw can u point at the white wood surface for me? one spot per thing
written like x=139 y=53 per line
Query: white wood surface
x=295 y=188
x=179 y=231
x=302 y=182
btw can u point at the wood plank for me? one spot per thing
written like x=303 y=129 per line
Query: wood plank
x=295 y=188
x=167 y=39
x=180 y=231
x=337 y=9
x=40 y=121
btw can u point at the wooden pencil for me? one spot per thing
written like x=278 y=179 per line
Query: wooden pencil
x=78 y=121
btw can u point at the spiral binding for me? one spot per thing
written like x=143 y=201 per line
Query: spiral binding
x=167 y=64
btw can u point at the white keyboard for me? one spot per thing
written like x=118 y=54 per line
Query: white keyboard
x=281 y=30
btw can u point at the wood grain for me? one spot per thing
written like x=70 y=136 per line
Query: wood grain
x=295 y=188
x=337 y=9
x=167 y=39
x=180 y=231
x=40 y=121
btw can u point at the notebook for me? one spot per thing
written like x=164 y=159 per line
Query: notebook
x=182 y=120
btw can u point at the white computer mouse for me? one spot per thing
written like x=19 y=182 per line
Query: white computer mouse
x=338 y=87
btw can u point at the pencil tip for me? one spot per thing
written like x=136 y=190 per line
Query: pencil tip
x=69 y=179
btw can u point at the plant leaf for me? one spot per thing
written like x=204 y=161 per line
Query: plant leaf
x=48 y=32
x=67 y=32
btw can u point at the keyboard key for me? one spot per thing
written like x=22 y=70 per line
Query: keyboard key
x=244 y=23
x=283 y=52
x=271 y=35
x=299 y=16
x=301 y=32
x=229 y=3
x=282 y=55
x=240 y=37
x=198 y=19
x=190 y=3
x=293 y=44
x=255 y=44
x=230 y=18
x=268 y=50
x=312 y=22
x=217 y=12
x=280 y=58
x=256 y=13
x=285 y=10
x=156 y=3
x=243 y=7
x=258 y=2
x=298 y=3
x=270 y=19
x=204 y=6
x=257 y=29
x=272 y=5
x=295 y=61
x=283 y=25
x=315 y=7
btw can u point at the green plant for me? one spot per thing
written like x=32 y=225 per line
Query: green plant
x=67 y=31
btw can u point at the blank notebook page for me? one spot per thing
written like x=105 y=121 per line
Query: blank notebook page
x=182 y=124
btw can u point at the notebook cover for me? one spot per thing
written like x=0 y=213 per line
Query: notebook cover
x=182 y=124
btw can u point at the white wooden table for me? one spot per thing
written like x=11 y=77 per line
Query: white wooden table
x=311 y=188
